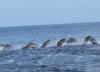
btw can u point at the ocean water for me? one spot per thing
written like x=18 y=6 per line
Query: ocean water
x=74 y=57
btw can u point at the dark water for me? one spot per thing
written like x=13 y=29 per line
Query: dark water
x=38 y=34
x=70 y=58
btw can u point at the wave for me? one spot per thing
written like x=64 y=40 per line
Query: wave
x=79 y=58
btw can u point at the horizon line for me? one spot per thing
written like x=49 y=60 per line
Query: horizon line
x=49 y=24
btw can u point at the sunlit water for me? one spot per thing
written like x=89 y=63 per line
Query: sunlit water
x=70 y=58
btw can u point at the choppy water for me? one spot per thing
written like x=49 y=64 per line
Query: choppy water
x=70 y=58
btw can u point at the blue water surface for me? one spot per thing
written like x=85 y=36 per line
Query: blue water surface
x=70 y=58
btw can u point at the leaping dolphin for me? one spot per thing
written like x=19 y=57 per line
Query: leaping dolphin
x=71 y=40
x=6 y=45
x=61 y=42
x=44 y=45
x=30 y=45
x=91 y=39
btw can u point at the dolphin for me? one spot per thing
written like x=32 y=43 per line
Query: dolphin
x=61 y=42
x=44 y=45
x=91 y=39
x=30 y=45
x=71 y=40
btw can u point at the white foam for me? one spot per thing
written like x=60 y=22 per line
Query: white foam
x=8 y=61
x=1 y=48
